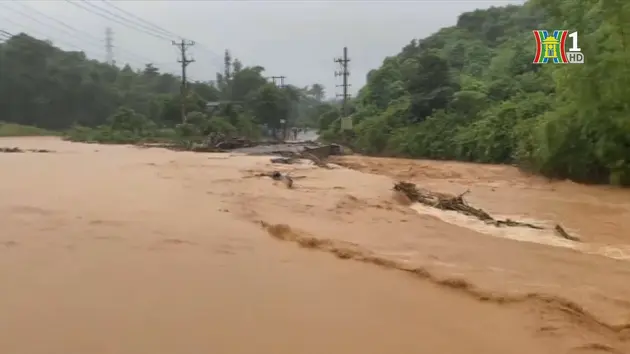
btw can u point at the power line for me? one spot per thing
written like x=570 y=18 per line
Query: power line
x=74 y=30
x=134 y=25
x=59 y=22
x=148 y=28
x=28 y=16
x=67 y=29
x=45 y=35
x=141 y=20
x=145 y=27
x=161 y=30
x=42 y=35
x=4 y=35
x=85 y=5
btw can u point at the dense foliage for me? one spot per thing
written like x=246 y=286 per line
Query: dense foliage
x=43 y=86
x=470 y=92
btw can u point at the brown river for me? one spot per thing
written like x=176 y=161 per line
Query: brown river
x=125 y=250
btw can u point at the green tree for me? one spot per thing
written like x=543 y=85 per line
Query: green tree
x=46 y=87
x=268 y=106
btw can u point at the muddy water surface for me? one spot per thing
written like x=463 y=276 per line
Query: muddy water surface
x=113 y=249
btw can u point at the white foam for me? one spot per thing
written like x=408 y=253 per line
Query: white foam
x=525 y=234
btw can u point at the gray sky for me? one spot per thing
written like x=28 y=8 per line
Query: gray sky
x=297 y=39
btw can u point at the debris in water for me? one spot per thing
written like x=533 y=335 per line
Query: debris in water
x=277 y=176
x=284 y=160
x=454 y=203
x=18 y=150
x=316 y=160
x=11 y=149
x=290 y=157
x=560 y=231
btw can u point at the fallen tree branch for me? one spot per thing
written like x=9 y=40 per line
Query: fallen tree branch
x=560 y=231
x=458 y=204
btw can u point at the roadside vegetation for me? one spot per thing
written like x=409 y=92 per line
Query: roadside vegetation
x=90 y=101
x=468 y=92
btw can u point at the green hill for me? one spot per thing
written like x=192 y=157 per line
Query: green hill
x=470 y=92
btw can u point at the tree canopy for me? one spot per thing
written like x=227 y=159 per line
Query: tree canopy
x=43 y=86
x=470 y=92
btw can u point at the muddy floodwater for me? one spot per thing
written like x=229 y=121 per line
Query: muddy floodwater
x=125 y=250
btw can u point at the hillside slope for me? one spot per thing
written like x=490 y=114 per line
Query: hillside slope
x=470 y=92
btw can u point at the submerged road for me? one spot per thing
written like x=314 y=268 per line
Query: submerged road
x=115 y=249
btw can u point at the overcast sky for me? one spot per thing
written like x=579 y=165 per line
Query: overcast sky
x=297 y=39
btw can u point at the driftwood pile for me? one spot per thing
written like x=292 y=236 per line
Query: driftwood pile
x=441 y=201
x=458 y=204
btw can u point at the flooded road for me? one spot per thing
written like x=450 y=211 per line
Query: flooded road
x=115 y=249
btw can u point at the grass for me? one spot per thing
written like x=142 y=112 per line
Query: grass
x=106 y=135
x=11 y=129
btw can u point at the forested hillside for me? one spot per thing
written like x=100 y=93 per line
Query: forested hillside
x=470 y=92
x=43 y=86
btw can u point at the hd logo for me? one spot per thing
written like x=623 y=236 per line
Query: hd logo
x=551 y=48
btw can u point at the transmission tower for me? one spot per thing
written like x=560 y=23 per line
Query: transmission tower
x=344 y=73
x=109 y=46
x=227 y=75
x=184 y=60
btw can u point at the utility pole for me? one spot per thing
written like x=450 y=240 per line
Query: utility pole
x=281 y=78
x=344 y=73
x=183 y=45
x=109 y=46
x=285 y=121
